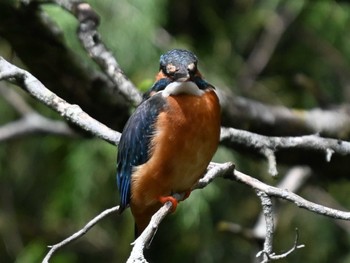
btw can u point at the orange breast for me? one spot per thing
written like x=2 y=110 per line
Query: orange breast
x=187 y=137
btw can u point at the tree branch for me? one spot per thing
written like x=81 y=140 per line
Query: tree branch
x=266 y=204
x=289 y=196
x=268 y=145
x=70 y=112
x=307 y=142
x=277 y=120
x=273 y=256
x=223 y=170
x=293 y=180
x=26 y=27
x=214 y=170
x=91 y=41
x=31 y=122
x=267 y=252
x=79 y=233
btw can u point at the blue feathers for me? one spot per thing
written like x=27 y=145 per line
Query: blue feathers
x=134 y=145
x=201 y=83
x=157 y=86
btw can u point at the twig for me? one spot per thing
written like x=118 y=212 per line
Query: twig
x=292 y=180
x=271 y=160
x=308 y=142
x=267 y=252
x=80 y=233
x=70 y=112
x=147 y=235
x=214 y=171
x=289 y=196
x=273 y=256
x=91 y=41
x=266 y=204
x=33 y=123
x=218 y=170
x=279 y=120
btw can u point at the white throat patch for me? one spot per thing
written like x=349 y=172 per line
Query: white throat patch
x=182 y=87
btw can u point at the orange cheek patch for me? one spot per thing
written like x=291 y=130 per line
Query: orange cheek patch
x=160 y=75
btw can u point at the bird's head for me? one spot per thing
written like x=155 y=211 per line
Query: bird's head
x=178 y=73
x=178 y=65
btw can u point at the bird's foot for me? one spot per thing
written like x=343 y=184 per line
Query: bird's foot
x=164 y=199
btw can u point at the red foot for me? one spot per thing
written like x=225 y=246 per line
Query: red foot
x=164 y=199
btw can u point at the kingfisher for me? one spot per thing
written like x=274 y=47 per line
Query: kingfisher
x=168 y=142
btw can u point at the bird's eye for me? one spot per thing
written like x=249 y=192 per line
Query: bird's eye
x=191 y=67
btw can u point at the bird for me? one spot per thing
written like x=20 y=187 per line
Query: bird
x=169 y=140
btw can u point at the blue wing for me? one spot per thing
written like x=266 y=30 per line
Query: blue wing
x=157 y=86
x=134 y=145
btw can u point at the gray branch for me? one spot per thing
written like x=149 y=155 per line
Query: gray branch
x=70 y=112
x=79 y=233
x=34 y=123
x=307 y=142
x=31 y=122
x=91 y=41
x=269 y=145
x=289 y=196
x=226 y=171
x=244 y=113
x=215 y=170
x=266 y=204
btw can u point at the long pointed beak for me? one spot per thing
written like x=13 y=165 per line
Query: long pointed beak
x=181 y=75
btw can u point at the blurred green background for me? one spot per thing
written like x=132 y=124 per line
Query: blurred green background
x=51 y=186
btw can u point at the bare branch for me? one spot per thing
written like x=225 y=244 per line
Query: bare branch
x=317 y=193
x=263 y=190
x=290 y=196
x=271 y=159
x=33 y=123
x=273 y=256
x=309 y=142
x=91 y=41
x=266 y=204
x=267 y=252
x=215 y=170
x=293 y=180
x=71 y=112
x=147 y=235
x=278 y=120
x=80 y=233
